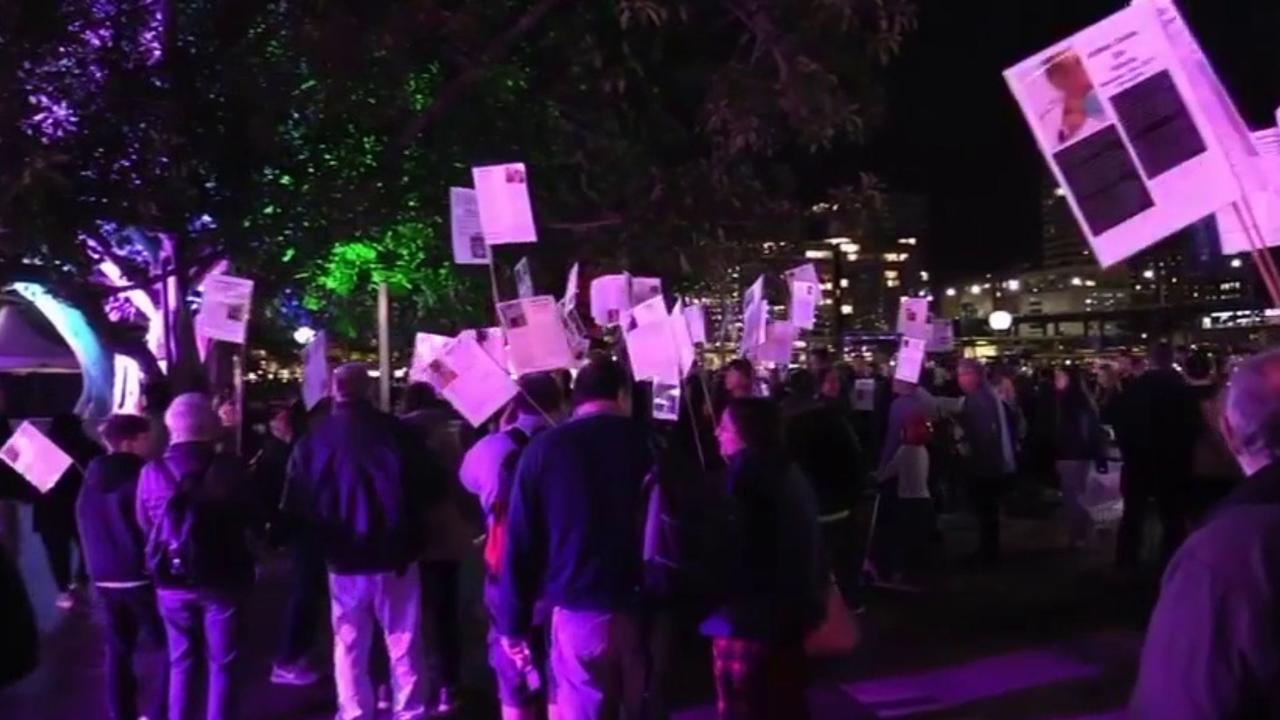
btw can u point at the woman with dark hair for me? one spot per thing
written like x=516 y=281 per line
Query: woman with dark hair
x=54 y=516
x=776 y=594
x=1077 y=444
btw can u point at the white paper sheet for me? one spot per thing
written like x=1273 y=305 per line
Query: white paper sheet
x=426 y=347
x=683 y=339
x=780 y=337
x=524 y=279
x=864 y=394
x=910 y=360
x=610 y=299
x=536 y=340
x=755 y=311
x=506 y=214
x=1114 y=111
x=913 y=318
x=805 y=297
x=225 y=309
x=942 y=337
x=315 y=370
x=666 y=401
x=494 y=344
x=650 y=311
x=35 y=457
x=696 y=319
x=570 y=301
x=653 y=353
x=470 y=380
x=644 y=289
x=469 y=247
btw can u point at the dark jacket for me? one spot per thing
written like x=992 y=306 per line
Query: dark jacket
x=985 y=434
x=113 y=543
x=17 y=625
x=820 y=440
x=1075 y=432
x=224 y=480
x=777 y=583
x=573 y=529
x=1156 y=425
x=55 y=511
x=1213 y=645
x=360 y=479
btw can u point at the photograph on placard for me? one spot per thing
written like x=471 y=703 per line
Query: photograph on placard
x=913 y=317
x=426 y=347
x=513 y=315
x=1069 y=107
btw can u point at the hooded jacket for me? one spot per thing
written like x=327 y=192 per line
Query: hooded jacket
x=114 y=546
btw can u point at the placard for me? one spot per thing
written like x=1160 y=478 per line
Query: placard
x=570 y=301
x=652 y=310
x=653 y=353
x=35 y=457
x=466 y=376
x=610 y=299
x=683 y=339
x=864 y=394
x=806 y=295
x=942 y=336
x=225 y=309
x=696 y=318
x=469 y=247
x=426 y=347
x=536 y=340
x=1265 y=203
x=666 y=401
x=1114 y=113
x=524 y=278
x=644 y=289
x=910 y=360
x=913 y=318
x=755 y=312
x=506 y=214
x=780 y=337
x=315 y=370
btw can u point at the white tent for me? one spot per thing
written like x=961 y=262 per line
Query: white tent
x=25 y=348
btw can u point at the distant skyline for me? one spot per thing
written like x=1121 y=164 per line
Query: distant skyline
x=954 y=134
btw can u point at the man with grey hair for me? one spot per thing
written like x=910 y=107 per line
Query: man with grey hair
x=358 y=479
x=992 y=450
x=1213 y=644
x=197 y=511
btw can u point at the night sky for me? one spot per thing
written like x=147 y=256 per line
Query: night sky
x=955 y=134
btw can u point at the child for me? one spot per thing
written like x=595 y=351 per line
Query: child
x=114 y=551
x=910 y=509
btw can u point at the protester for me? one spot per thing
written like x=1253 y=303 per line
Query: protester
x=448 y=542
x=352 y=477
x=1214 y=472
x=990 y=453
x=14 y=490
x=1156 y=428
x=115 y=553
x=1078 y=445
x=198 y=512
x=488 y=471
x=1108 y=393
x=907 y=507
x=54 y=516
x=577 y=492
x=17 y=625
x=740 y=379
x=777 y=590
x=821 y=442
x=1211 y=649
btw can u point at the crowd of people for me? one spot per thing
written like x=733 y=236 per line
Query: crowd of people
x=603 y=531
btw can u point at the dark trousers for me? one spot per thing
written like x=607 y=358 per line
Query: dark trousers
x=1139 y=489
x=842 y=545
x=985 y=493
x=902 y=534
x=132 y=622
x=203 y=631
x=306 y=600
x=440 y=600
x=57 y=548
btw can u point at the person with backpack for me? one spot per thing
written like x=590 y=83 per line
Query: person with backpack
x=777 y=586
x=115 y=552
x=488 y=471
x=361 y=480
x=198 y=511
x=573 y=540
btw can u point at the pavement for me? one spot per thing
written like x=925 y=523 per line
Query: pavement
x=1049 y=633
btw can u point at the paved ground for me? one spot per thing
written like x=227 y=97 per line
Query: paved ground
x=1049 y=634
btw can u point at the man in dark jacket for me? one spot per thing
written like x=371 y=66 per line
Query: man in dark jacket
x=992 y=451
x=194 y=485
x=115 y=552
x=1211 y=651
x=351 y=477
x=1157 y=422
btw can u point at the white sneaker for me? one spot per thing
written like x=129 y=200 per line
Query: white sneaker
x=65 y=601
x=293 y=675
x=384 y=697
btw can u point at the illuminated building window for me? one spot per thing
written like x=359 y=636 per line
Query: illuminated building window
x=818 y=255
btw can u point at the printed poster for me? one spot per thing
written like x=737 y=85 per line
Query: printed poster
x=780 y=338
x=644 y=289
x=469 y=247
x=682 y=337
x=942 y=336
x=35 y=457
x=755 y=312
x=806 y=295
x=910 y=360
x=426 y=347
x=1114 y=113
x=913 y=318
x=650 y=311
x=315 y=370
x=666 y=401
x=466 y=376
x=653 y=353
x=536 y=340
x=864 y=394
x=524 y=279
x=610 y=299
x=502 y=194
x=696 y=319
x=225 y=309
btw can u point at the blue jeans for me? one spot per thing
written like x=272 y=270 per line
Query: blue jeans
x=129 y=616
x=202 y=626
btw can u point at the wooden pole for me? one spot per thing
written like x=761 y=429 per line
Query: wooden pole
x=384 y=347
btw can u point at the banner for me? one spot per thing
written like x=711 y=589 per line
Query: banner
x=910 y=360
x=315 y=370
x=1114 y=113
x=469 y=247
x=536 y=340
x=225 y=309
x=35 y=457
x=913 y=318
x=524 y=279
x=755 y=312
x=470 y=380
x=502 y=193
x=610 y=299
x=806 y=295
x=426 y=347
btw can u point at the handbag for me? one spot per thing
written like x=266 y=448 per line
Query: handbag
x=839 y=634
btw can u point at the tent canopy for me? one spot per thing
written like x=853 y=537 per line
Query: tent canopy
x=28 y=345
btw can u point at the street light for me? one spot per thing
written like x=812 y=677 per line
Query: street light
x=951 y=292
x=975 y=289
x=1077 y=282
x=1149 y=274
x=1000 y=320
x=1237 y=263
x=304 y=335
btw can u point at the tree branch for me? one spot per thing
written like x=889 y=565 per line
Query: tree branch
x=585 y=225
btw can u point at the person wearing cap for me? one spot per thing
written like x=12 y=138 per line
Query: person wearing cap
x=202 y=613
x=1211 y=650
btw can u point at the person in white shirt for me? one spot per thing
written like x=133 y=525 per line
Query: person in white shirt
x=907 y=507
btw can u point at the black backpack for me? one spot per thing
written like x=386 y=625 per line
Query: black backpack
x=190 y=545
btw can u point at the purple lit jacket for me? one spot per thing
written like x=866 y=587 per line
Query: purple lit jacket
x=1213 y=644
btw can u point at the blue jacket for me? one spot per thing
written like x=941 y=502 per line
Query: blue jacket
x=113 y=543
x=574 y=526
x=1213 y=645
x=992 y=443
